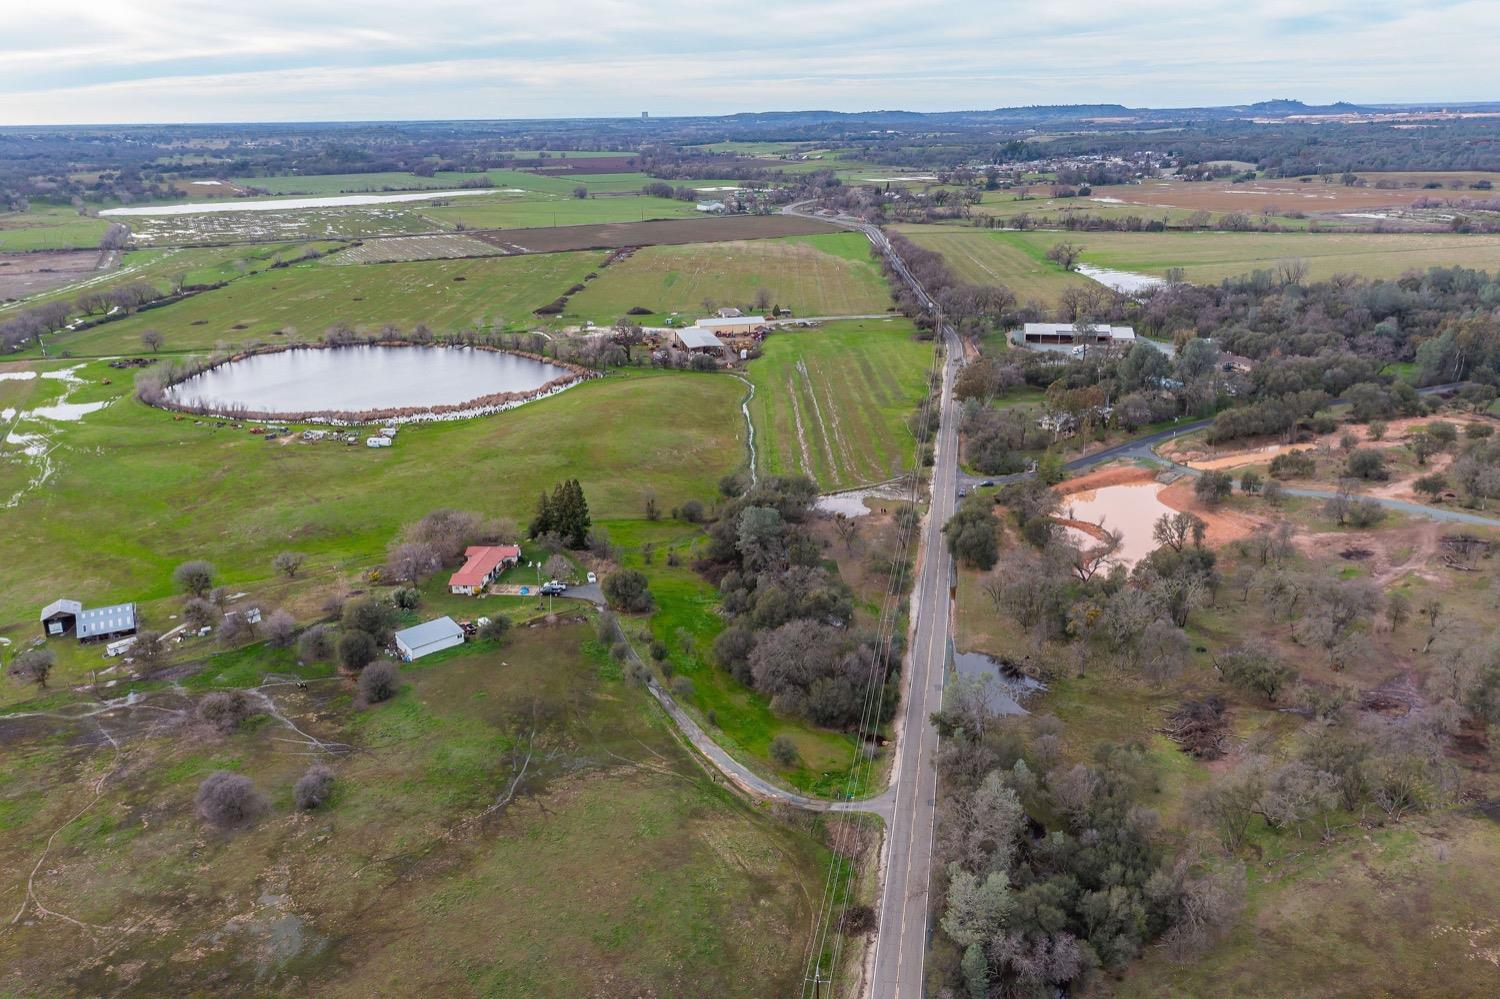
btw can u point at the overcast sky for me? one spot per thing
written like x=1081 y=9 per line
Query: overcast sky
x=76 y=61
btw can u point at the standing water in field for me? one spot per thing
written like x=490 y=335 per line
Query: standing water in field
x=1125 y=282
x=1004 y=688
x=285 y=204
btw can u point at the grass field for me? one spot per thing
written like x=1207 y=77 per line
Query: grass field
x=1404 y=911
x=1017 y=259
x=812 y=275
x=618 y=867
x=49 y=227
x=133 y=491
x=987 y=257
x=304 y=300
x=549 y=210
x=1310 y=194
x=833 y=403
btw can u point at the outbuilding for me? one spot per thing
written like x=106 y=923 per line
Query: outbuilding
x=101 y=623
x=732 y=325
x=60 y=617
x=694 y=339
x=1073 y=334
x=428 y=637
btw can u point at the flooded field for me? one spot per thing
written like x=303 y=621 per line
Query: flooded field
x=1125 y=282
x=1131 y=507
x=285 y=204
x=361 y=378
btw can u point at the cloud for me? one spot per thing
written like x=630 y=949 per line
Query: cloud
x=175 y=60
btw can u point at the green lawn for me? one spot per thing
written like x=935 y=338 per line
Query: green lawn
x=302 y=301
x=674 y=885
x=812 y=275
x=833 y=403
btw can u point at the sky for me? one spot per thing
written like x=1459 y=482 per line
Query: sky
x=112 y=61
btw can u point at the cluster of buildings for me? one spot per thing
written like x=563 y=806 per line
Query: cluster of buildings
x=93 y=624
x=709 y=336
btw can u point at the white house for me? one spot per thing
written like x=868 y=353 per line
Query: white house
x=428 y=637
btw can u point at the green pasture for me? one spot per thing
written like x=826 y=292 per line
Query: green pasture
x=833 y=403
x=812 y=275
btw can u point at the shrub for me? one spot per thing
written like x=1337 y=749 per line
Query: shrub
x=288 y=563
x=494 y=629
x=228 y=800
x=682 y=688
x=659 y=651
x=375 y=618
x=1431 y=486
x=1213 y=487
x=280 y=628
x=313 y=788
x=225 y=709
x=1378 y=429
x=1478 y=431
x=198 y=613
x=628 y=590
x=1366 y=463
x=356 y=650
x=1294 y=465
x=971 y=533
x=195 y=577
x=1250 y=483
x=691 y=511
x=33 y=666
x=1255 y=667
x=407 y=597
x=783 y=751
x=379 y=682
x=316 y=644
x=1273 y=492
x=234 y=629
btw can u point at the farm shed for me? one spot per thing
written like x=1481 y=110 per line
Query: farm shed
x=1074 y=333
x=482 y=563
x=694 y=338
x=732 y=324
x=106 y=622
x=428 y=637
x=60 y=617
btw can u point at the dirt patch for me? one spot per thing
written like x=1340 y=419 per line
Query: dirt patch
x=1117 y=475
x=23 y=274
x=1224 y=525
x=1387 y=555
x=668 y=232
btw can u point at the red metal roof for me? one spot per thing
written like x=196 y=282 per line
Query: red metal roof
x=482 y=560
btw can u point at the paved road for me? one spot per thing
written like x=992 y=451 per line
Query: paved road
x=901 y=941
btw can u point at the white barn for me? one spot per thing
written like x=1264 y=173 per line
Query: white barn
x=428 y=637
x=1074 y=333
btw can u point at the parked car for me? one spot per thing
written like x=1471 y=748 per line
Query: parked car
x=593 y=578
x=553 y=588
x=986 y=483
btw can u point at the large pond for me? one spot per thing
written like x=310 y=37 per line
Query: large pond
x=1131 y=508
x=356 y=379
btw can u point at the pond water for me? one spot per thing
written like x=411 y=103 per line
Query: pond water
x=1004 y=690
x=347 y=379
x=1131 y=508
x=283 y=204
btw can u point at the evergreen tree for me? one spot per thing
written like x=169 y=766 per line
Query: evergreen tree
x=545 y=519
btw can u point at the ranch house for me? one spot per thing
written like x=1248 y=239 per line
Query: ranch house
x=482 y=565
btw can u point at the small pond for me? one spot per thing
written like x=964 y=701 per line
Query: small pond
x=1005 y=689
x=362 y=378
x=1131 y=508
